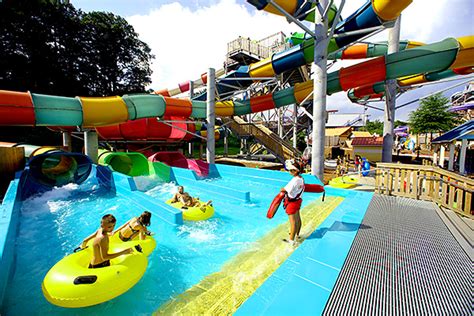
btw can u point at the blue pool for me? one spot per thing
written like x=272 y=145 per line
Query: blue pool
x=53 y=224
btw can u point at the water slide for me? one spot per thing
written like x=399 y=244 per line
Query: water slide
x=25 y=108
x=30 y=109
x=177 y=159
x=135 y=164
x=50 y=167
x=377 y=90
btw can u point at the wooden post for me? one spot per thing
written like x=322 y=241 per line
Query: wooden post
x=12 y=159
x=452 y=149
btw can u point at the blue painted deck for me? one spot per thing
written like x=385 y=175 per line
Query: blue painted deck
x=303 y=283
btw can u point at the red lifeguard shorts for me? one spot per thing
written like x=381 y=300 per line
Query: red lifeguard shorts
x=293 y=207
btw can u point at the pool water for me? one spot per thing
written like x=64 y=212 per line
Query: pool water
x=53 y=224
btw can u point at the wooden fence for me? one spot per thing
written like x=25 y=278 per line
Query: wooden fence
x=429 y=183
x=12 y=159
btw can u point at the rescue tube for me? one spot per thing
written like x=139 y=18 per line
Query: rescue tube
x=70 y=283
x=344 y=182
x=313 y=188
x=275 y=204
x=194 y=213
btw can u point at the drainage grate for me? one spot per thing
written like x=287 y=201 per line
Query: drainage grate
x=403 y=261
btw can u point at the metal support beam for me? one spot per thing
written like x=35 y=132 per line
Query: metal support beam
x=191 y=89
x=226 y=142
x=390 y=96
x=441 y=156
x=211 y=115
x=92 y=145
x=67 y=140
x=452 y=149
x=462 y=156
x=439 y=91
x=295 y=123
x=319 y=91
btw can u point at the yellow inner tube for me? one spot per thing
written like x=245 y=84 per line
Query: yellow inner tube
x=70 y=283
x=194 y=213
x=344 y=182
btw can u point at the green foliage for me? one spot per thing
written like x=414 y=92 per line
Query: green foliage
x=50 y=47
x=432 y=116
x=374 y=127
x=398 y=123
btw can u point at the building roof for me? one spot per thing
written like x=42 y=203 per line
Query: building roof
x=343 y=119
x=337 y=131
x=367 y=141
x=463 y=131
x=360 y=134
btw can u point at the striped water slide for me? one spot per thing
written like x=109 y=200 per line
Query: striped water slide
x=371 y=14
x=375 y=91
x=30 y=109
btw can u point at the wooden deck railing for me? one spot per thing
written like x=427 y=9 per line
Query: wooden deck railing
x=429 y=183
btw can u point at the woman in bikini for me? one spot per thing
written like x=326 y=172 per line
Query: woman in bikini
x=134 y=227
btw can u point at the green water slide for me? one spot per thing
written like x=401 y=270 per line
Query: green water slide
x=134 y=164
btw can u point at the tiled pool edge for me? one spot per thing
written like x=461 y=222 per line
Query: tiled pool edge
x=303 y=283
x=9 y=222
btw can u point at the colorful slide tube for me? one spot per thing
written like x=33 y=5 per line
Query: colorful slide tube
x=49 y=167
x=375 y=91
x=134 y=164
x=184 y=86
x=362 y=95
x=18 y=108
x=371 y=14
x=30 y=109
x=177 y=159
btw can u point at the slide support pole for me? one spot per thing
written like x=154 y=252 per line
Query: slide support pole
x=390 y=96
x=92 y=145
x=211 y=115
x=319 y=90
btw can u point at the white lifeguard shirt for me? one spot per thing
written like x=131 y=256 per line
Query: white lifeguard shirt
x=295 y=187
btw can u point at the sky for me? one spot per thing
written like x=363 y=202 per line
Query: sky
x=188 y=37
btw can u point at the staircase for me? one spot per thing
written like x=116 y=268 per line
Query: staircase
x=281 y=148
x=297 y=75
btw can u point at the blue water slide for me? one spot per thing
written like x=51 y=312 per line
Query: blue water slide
x=288 y=59
x=52 y=169
x=363 y=18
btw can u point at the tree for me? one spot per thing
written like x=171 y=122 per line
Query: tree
x=50 y=47
x=398 y=123
x=432 y=116
x=375 y=127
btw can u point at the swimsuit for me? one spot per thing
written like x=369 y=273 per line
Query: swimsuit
x=134 y=232
x=104 y=264
x=292 y=206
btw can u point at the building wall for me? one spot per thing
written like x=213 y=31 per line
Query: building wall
x=371 y=153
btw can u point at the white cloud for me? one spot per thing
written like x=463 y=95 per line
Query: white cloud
x=186 y=42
